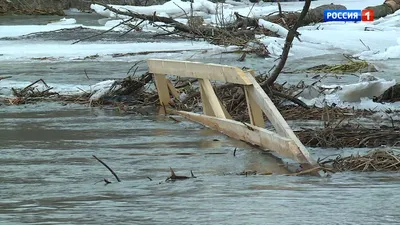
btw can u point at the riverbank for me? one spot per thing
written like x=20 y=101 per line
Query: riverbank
x=57 y=7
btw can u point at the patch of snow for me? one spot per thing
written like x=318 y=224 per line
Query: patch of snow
x=64 y=21
x=23 y=50
x=358 y=95
x=100 y=89
x=278 y=29
x=15 y=31
x=392 y=52
x=364 y=89
x=365 y=103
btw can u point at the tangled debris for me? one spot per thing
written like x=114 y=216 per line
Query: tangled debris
x=350 y=136
x=374 y=160
x=134 y=94
x=31 y=91
x=351 y=66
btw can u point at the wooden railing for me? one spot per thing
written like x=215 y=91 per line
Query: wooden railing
x=284 y=142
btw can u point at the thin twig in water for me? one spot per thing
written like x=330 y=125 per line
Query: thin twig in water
x=132 y=28
x=86 y=74
x=6 y=77
x=136 y=63
x=104 y=164
x=172 y=118
x=106 y=31
x=368 y=48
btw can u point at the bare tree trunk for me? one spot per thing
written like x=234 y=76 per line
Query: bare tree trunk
x=388 y=7
x=286 y=48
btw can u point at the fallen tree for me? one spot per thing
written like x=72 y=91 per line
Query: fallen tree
x=316 y=15
x=244 y=28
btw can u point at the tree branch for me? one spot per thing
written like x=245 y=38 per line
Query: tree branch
x=104 y=164
x=286 y=48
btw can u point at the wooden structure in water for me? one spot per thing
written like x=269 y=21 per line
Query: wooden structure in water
x=283 y=142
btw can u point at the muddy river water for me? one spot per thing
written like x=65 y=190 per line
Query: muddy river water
x=48 y=174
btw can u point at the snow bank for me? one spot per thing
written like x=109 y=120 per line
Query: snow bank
x=358 y=95
x=15 y=31
x=319 y=39
x=171 y=8
x=278 y=29
x=24 y=50
x=392 y=52
x=364 y=89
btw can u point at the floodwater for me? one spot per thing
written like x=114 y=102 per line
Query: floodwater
x=48 y=174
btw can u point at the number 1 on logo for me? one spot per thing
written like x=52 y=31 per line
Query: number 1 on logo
x=367 y=15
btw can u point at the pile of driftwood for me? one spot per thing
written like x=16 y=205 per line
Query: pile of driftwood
x=350 y=136
x=132 y=95
x=31 y=91
x=327 y=113
x=128 y=91
x=244 y=29
x=374 y=160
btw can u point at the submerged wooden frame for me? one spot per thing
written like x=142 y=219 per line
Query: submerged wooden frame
x=284 y=142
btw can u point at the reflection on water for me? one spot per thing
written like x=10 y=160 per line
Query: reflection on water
x=48 y=176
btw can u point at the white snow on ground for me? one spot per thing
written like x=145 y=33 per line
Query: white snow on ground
x=379 y=36
x=364 y=89
x=278 y=29
x=100 y=89
x=365 y=103
x=66 y=51
x=318 y=39
x=392 y=52
x=15 y=31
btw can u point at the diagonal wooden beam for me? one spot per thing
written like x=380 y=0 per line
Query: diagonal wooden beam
x=211 y=98
x=255 y=112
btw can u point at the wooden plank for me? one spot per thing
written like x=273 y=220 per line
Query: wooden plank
x=266 y=139
x=255 y=112
x=172 y=89
x=162 y=89
x=212 y=98
x=198 y=70
x=284 y=143
x=227 y=115
x=207 y=110
x=252 y=72
x=261 y=98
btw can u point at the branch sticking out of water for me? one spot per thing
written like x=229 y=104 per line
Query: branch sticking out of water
x=288 y=44
x=6 y=77
x=104 y=164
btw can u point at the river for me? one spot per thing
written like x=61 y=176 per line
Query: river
x=48 y=174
